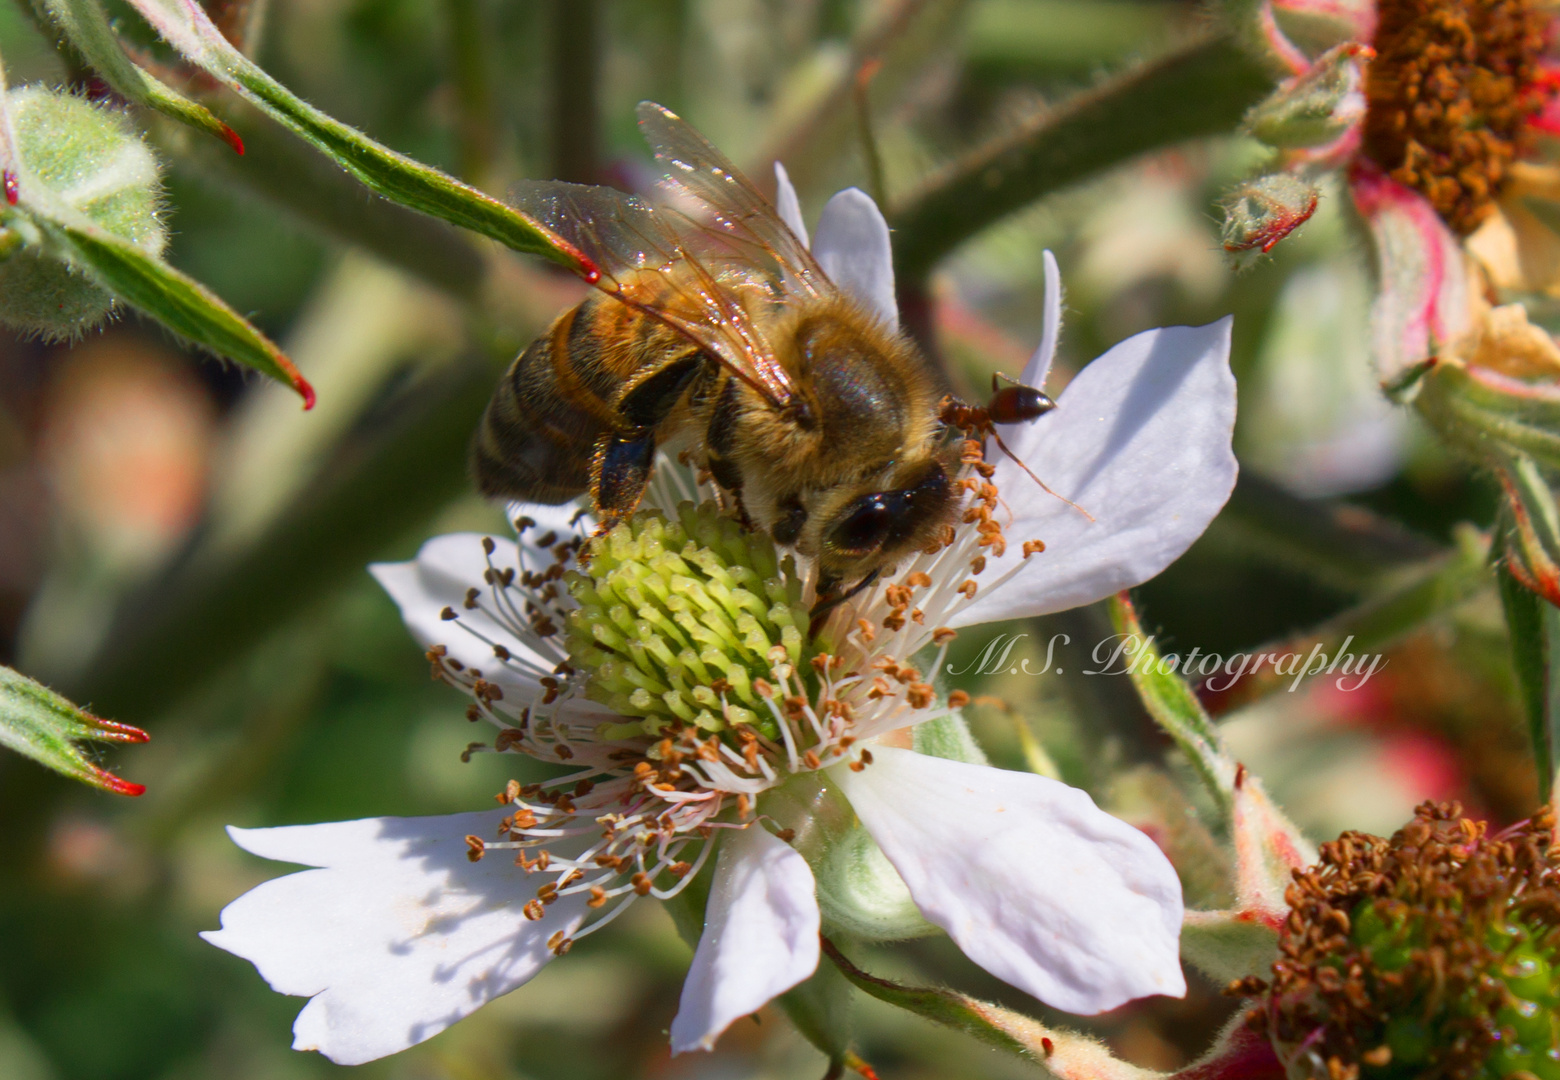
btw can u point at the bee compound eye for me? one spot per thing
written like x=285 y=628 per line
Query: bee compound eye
x=863 y=528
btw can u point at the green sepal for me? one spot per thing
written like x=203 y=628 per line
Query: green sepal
x=40 y=724
x=1226 y=945
x=85 y=25
x=1532 y=624
x=822 y=1008
x=1171 y=702
x=989 y=1023
x=1489 y=417
x=174 y=299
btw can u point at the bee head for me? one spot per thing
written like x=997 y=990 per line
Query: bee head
x=866 y=530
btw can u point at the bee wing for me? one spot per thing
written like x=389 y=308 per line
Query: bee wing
x=691 y=276
x=735 y=208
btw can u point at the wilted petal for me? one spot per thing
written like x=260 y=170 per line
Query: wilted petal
x=1033 y=881
x=788 y=205
x=1140 y=442
x=1422 y=300
x=399 y=934
x=760 y=937
x=853 y=248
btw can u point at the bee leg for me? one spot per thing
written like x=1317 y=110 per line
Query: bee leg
x=619 y=472
x=829 y=598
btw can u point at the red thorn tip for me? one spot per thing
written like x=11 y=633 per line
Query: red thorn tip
x=232 y=139
x=12 y=189
x=109 y=782
x=112 y=731
x=308 y=393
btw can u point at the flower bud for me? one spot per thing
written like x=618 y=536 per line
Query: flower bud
x=1317 y=107
x=1433 y=954
x=1261 y=212
x=86 y=158
x=861 y=894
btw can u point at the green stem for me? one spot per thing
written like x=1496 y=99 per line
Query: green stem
x=1429 y=590
x=201 y=617
x=576 y=65
x=475 y=126
x=1202 y=88
x=307 y=186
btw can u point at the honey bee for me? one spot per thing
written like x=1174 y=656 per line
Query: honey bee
x=716 y=333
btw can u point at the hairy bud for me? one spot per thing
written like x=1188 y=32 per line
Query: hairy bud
x=1261 y=212
x=85 y=159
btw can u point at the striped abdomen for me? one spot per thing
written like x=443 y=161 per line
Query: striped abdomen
x=569 y=388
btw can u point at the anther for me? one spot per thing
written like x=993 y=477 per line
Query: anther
x=477 y=848
x=448 y=614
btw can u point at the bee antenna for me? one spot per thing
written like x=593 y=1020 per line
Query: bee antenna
x=1043 y=485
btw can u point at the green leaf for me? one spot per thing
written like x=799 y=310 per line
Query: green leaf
x=185 y=26
x=179 y=302
x=1199 y=89
x=37 y=722
x=85 y=25
x=1170 y=700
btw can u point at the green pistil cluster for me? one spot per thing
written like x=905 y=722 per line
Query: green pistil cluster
x=1510 y=1005
x=1432 y=956
x=679 y=619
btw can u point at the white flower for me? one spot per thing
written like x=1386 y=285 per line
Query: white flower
x=398 y=933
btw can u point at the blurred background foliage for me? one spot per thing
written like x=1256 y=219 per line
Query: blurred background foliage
x=182 y=549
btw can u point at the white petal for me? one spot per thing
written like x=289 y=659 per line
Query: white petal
x=397 y=937
x=788 y=205
x=560 y=518
x=1033 y=881
x=1140 y=441
x=438 y=578
x=760 y=937
x=853 y=248
x=1040 y=364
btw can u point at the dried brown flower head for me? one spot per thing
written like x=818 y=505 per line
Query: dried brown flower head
x=1431 y=956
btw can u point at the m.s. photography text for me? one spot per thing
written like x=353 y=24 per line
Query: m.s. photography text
x=1130 y=654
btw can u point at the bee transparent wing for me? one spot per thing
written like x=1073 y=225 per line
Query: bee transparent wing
x=688 y=275
x=735 y=208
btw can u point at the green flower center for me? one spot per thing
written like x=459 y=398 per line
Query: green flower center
x=681 y=622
